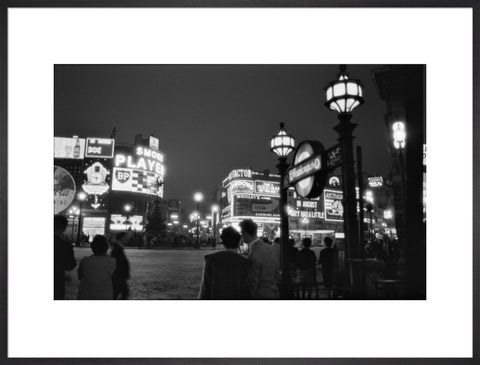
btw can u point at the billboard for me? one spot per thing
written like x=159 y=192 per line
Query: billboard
x=73 y=148
x=119 y=222
x=333 y=205
x=256 y=206
x=99 y=147
x=267 y=187
x=136 y=181
x=154 y=143
x=64 y=189
x=141 y=172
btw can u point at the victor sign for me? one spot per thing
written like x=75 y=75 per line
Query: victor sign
x=309 y=171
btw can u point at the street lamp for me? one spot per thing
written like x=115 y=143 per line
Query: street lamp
x=215 y=209
x=282 y=144
x=72 y=213
x=305 y=222
x=198 y=197
x=127 y=208
x=81 y=196
x=343 y=96
x=399 y=136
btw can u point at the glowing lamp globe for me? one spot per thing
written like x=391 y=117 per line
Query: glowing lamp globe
x=198 y=197
x=399 y=135
x=344 y=94
x=282 y=143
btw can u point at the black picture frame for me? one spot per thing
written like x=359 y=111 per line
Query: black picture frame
x=6 y=4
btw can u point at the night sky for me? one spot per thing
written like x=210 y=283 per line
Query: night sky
x=211 y=119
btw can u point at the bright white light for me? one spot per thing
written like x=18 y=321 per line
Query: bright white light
x=82 y=196
x=215 y=208
x=127 y=208
x=198 y=197
x=399 y=135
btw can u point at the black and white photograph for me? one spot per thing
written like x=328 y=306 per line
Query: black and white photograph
x=240 y=182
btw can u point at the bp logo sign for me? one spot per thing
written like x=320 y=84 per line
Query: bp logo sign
x=309 y=171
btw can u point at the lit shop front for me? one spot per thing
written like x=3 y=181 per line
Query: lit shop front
x=103 y=186
x=247 y=194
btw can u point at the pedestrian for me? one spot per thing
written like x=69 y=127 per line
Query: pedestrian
x=307 y=268
x=263 y=271
x=293 y=251
x=276 y=250
x=328 y=260
x=63 y=256
x=225 y=272
x=122 y=268
x=95 y=272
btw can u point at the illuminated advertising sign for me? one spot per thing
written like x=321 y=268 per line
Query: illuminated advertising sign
x=334 y=157
x=375 y=181
x=311 y=204
x=241 y=186
x=121 y=223
x=140 y=173
x=267 y=188
x=333 y=205
x=144 y=159
x=96 y=182
x=334 y=182
x=73 y=148
x=99 y=147
x=64 y=189
x=242 y=173
x=136 y=181
x=256 y=206
x=92 y=226
x=154 y=143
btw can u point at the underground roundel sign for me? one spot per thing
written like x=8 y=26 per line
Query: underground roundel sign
x=309 y=170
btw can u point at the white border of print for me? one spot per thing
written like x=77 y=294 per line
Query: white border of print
x=39 y=38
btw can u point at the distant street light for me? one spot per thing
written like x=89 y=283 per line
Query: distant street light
x=127 y=208
x=81 y=196
x=282 y=144
x=305 y=222
x=343 y=96
x=215 y=209
x=198 y=197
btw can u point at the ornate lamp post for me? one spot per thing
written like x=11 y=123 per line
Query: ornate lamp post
x=343 y=96
x=198 y=197
x=282 y=144
x=81 y=196
x=399 y=135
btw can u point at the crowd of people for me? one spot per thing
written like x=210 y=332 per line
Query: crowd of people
x=227 y=274
x=101 y=276
x=230 y=275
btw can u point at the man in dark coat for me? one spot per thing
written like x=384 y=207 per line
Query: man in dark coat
x=225 y=272
x=63 y=257
x=122 y=269
x=307 y=266
x=328 y=260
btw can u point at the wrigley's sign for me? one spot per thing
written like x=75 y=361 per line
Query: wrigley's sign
x=305 y=169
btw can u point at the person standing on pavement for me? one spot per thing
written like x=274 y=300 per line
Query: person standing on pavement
x=328 y=260
x=263 y=271
x=122 y=268
x=307 y=267
x=95 y=272
x=63 y=256
x=225 y=272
